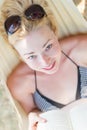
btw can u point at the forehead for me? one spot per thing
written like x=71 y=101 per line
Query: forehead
x=36 y=38
x=39 y=34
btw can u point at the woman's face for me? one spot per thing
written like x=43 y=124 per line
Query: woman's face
x=40 y=49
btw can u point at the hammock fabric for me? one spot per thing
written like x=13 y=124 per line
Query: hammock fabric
x=70 y=21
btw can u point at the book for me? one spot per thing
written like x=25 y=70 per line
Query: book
x=73 y=118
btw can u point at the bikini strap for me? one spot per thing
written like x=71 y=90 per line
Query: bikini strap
x=35 y=79
x=69 y=58
x=66 y=56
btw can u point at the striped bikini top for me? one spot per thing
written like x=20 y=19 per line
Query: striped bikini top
x=45 y=104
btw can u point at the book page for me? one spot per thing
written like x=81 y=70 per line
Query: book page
x=56 y=120
x=79 y=117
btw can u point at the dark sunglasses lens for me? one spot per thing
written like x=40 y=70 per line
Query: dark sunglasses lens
x=12 y=24
x=35 y=12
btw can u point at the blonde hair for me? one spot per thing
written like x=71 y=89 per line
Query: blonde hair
x=17 y=7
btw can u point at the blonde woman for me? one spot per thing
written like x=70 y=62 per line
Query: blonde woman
x=53 y=73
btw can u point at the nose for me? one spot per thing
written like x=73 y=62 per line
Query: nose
x=44 y=60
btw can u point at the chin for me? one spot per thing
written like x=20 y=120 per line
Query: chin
x=51 y=71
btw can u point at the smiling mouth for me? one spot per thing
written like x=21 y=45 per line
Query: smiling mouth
x=50 y=67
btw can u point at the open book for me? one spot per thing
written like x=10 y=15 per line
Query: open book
x=73 y=119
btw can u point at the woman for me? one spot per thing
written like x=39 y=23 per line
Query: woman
x=53 y=72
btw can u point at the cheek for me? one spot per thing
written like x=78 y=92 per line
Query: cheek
x=32 y=64
x=55 y=51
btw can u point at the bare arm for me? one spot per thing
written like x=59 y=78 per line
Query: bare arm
x=78 y=45
x=21 y=86
x=73 y=38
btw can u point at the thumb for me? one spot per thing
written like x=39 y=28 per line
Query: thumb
x=33 y=123
x=40 y=119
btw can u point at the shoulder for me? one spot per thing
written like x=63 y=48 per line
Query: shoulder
x=21 y=85
x=79 y=51
x=74 y=39
x=22 y=68
x=77 y=44
x=21 y=79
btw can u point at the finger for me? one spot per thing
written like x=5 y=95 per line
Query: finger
x=40 y=119
x=34 y=121
x=34 y=117
x=32 y=127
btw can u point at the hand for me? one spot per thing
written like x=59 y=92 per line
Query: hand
x=34 y=118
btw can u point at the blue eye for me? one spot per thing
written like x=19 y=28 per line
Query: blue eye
x=31 y=57
x=48 y=47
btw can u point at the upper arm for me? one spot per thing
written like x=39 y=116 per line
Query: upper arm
x=21 y=86
x=81 y=50
x=78 y=45
x=74 y=39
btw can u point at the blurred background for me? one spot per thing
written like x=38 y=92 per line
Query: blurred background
x=82 y=7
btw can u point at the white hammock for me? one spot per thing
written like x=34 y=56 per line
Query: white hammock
x=70 y=21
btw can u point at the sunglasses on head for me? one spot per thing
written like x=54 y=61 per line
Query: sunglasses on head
x=33 y=13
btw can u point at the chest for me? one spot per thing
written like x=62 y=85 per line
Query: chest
x=62 y=86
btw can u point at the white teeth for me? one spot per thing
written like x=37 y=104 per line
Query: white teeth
x=50 y=67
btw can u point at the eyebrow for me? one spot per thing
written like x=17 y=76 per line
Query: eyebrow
x=30 y=53
x=46 y=43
